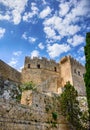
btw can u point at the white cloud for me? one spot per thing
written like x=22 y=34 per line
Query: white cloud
x=17 y=53
x=28 y=38
x=64 y=22
x=64 y=8
x=24 y=36
x=56 y=27
x=49 y=31
x=13 y=62
x=56 y=49
x=76 y=40
x=2 y=32
x=34 y=53
x=31 y=39
x=81 y=49
x=29 y=15
x=4 y=17
x=41 y=46
x=15 y=9
x=45 y=12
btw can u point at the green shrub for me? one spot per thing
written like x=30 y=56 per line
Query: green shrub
x=54 y=115
x=27 y=86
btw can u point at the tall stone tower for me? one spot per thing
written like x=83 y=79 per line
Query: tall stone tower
x=73 y=71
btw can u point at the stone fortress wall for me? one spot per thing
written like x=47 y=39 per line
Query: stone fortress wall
x=78 y=72
x=42 y=70
x=7 y=72
x=38 y=116
x=39 y=70
x=50 y=77
x=73 y=71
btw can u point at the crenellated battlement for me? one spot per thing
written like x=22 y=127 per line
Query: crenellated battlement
x=75 y=62
x=41 y=63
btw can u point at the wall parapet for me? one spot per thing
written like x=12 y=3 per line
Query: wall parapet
x=9 y=73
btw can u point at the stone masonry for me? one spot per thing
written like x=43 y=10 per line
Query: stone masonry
x=41 y=70
x=38 y=106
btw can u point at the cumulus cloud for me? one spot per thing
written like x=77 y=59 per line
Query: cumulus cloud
x=24 y=36
x=56 y=49
x=64 y=22
x=49 y=31
x=17 y=53
x=64 y=8
x=28 y=38
x=45 y=12
x=2 y=32
x=29 y=15
x=15 y=10
x=4 y=17
x=76 y=40
x=31 y=39
x=56 y=28
x=41 y=46
x=35 y=53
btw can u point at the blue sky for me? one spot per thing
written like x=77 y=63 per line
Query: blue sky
x=43 y=28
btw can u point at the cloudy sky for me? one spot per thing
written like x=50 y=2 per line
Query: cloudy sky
x=43 y=28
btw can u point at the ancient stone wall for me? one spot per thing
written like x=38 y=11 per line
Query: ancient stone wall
x=9 y=73
x=39 y=70
x=42 y=63
x=39 y=116
x=73 y=71
x=78 y=72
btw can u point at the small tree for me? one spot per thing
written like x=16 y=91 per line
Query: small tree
x=70 y=106
x=87 y=74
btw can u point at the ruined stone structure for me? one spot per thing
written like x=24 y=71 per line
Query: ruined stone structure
x=37 y=107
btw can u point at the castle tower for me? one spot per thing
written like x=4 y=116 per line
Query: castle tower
x=39 y=70
x=73 y=71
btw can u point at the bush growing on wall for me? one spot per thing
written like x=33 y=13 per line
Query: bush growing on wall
x=27 y=86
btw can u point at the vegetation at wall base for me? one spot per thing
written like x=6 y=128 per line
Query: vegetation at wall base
x=27 y=86
x=87 y=74
x=70 y=107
